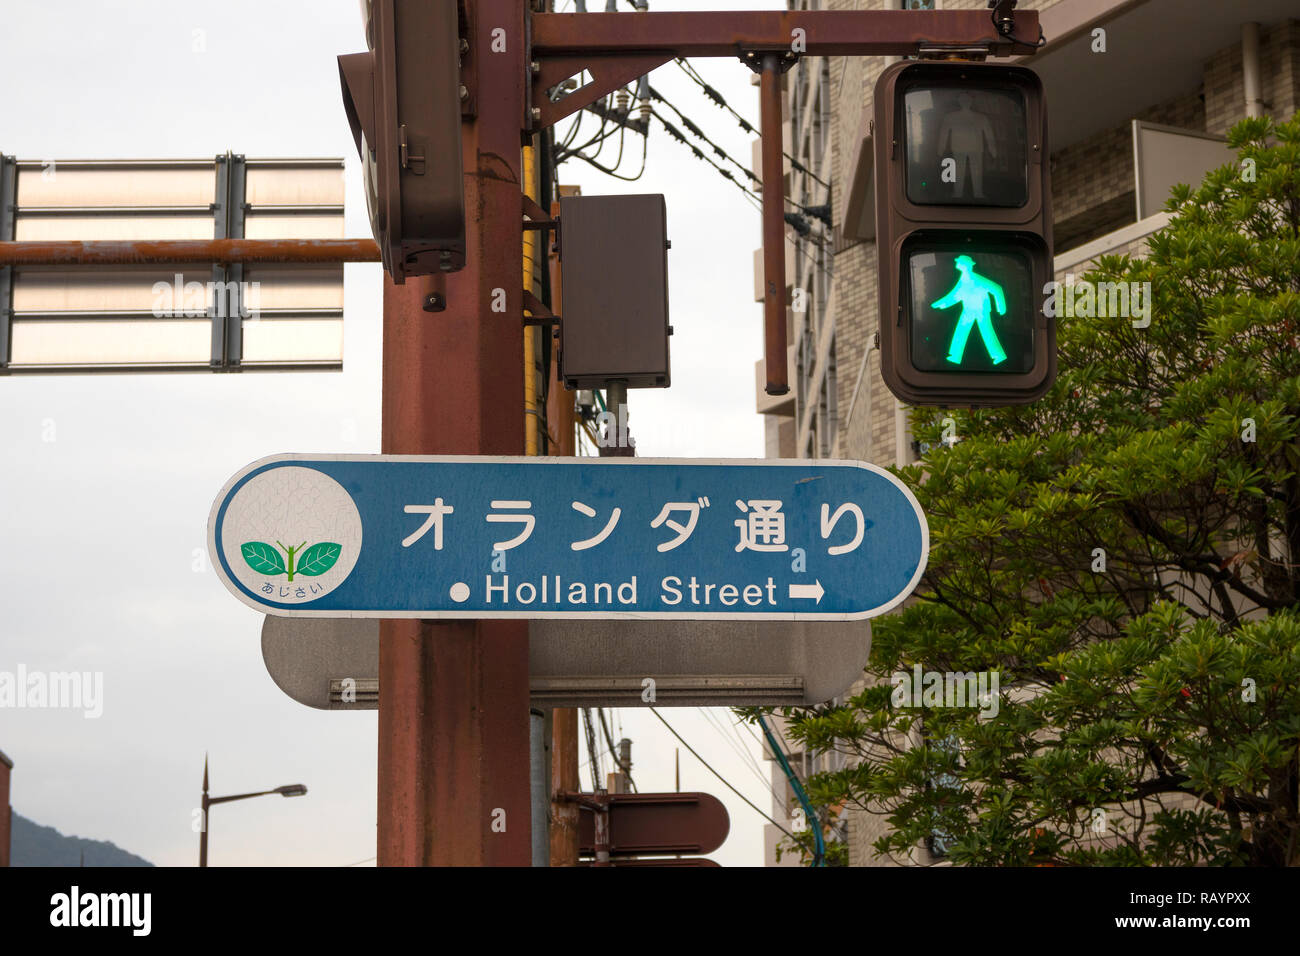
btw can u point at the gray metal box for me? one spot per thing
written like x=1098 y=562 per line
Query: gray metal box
x=614 y=292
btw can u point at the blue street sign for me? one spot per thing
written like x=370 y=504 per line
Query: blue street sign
x=443 y=537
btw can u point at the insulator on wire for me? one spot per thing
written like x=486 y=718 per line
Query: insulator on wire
x=643 y=98
x=623 y=101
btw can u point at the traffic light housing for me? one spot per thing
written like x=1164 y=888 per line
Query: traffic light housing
x=402 y=100
x=964 y=233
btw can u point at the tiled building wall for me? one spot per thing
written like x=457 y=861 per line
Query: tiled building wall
x=1279 y=67
x=1093 y=185
x=855 y=267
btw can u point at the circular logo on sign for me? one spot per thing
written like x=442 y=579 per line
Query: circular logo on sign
x=291 y=534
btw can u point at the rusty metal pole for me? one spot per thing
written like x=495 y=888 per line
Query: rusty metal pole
x=774 y=305
x=564 y=720
x=453 y=717
x=118 y=252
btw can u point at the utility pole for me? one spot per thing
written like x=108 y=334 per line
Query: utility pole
x=454 y=717
x=620 y=780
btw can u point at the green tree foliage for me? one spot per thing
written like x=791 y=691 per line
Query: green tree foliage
x=1161 y=694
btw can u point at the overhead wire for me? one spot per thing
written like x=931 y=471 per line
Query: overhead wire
x=734 y=727
x=613 y=171
x=738 y=748
x=746 y=757
x=695 y=130
x=593 y=757
x=745 y=124
x=564 y=153
x=753 y=198
x=724 y=780
x=678 y=135
x=605 y=132
x=566 y=150
x=762 y=744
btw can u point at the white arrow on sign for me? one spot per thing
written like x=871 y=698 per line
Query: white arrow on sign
x=814 y=590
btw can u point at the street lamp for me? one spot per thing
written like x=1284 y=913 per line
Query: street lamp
x=288 y=790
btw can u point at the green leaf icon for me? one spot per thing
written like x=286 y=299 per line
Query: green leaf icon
x=318 y=559
x=262 y=558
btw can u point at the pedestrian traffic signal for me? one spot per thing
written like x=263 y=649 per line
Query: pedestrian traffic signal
x=403 y=102
x=964 y=233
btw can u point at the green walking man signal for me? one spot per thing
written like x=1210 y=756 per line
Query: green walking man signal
x=973 y=291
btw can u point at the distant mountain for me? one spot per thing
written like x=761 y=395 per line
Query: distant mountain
x=35 y=845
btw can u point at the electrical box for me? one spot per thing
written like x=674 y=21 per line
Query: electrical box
x=614 y=305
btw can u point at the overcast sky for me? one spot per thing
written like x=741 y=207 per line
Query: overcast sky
x=108 y=480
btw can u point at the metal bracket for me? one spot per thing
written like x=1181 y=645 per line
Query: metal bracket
x=541 y=315
x=754 y=59
x=535 y=217
x=1004 y=16
x=608 y=73
x=409 y=160
x=468 y=66
x=593 y=801
x=954 y=51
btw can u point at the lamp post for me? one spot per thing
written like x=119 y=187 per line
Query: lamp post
x=288 y=790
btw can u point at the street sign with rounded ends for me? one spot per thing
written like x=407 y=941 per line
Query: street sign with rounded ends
x=588 y=538
x=642 y=824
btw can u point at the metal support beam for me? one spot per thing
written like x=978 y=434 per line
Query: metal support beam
x=454 y=715
x=810 y=32
x=774 y=305
x=122 y=252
